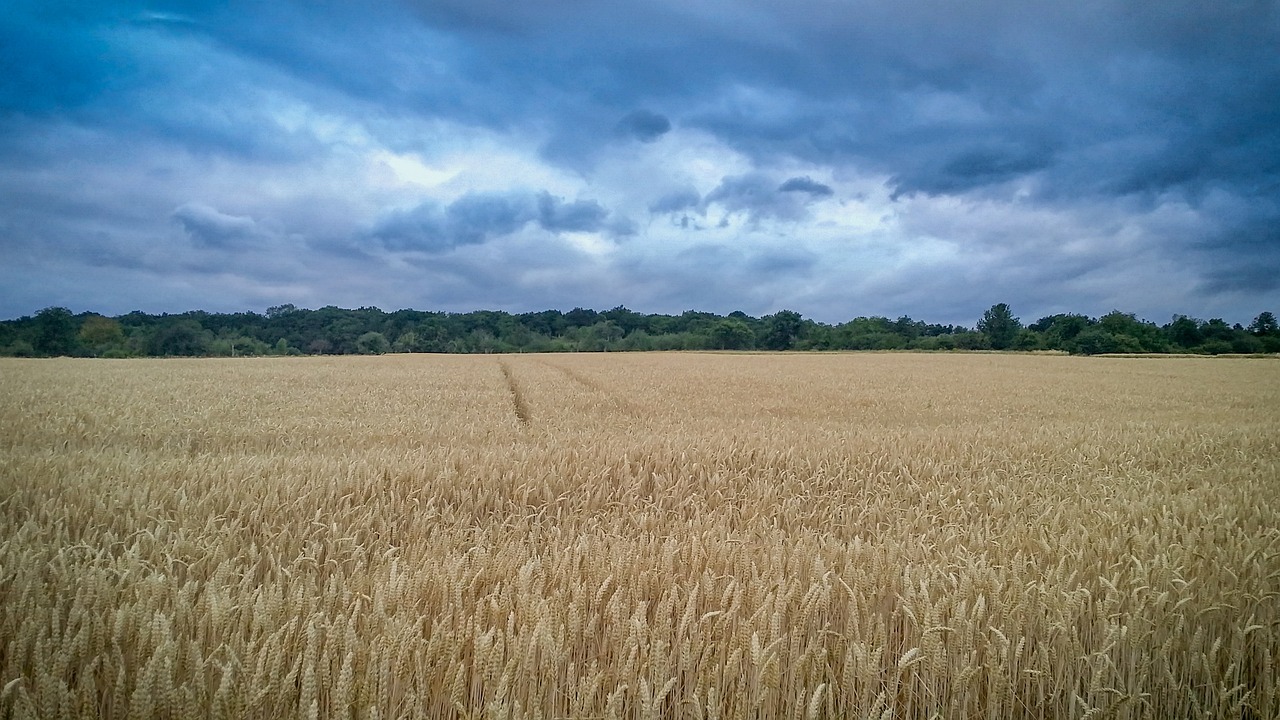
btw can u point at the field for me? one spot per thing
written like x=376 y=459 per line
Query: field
x=641 y=536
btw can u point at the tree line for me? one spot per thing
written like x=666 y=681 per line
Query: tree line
x=288 y=330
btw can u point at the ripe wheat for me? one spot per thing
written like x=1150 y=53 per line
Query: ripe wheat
x=640 y=536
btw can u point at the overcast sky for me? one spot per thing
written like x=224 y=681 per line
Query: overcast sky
x=834 y=157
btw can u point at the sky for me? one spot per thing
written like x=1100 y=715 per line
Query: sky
x=839 y=158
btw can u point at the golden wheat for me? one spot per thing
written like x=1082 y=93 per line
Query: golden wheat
x=640 y=536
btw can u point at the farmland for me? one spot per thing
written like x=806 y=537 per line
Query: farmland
x=641 y=536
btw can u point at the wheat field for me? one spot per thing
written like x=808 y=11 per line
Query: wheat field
x=645 y=536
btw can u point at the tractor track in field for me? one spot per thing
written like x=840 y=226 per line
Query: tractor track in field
x=595 y=387
x=519 y=404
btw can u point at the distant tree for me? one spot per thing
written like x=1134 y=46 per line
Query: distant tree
x=1217 y=329
x=908 y=328
x=1245 y=344
x=1184 y=332
x=55 y=331
x=1215 y=346
x=782 y=329
x=1059 y=330
x=1145 y=336
x=100 y=333
x=372 y=343
x=600 y=336
x=581 y=317
x=1000 y=326
x=1264 y=324
x=731 y=334
x=320 y=346
x=181 y=338
x=1096 y=341
x=969 y=340
x=638 y=340
x=18 y=348
x=407 y=342
x=1028 y=340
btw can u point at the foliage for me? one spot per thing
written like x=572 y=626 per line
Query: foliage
x=781 y=330
x=55 y=332
x=1000 y=326
x=1264 y=324
x=288 y=330
x=731 y=334
x=372 y=343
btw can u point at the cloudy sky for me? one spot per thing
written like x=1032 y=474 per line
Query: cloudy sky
x=835 y=157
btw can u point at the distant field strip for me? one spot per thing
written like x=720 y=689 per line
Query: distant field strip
x=641 y=536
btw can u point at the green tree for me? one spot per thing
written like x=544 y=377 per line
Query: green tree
x=599 y=337
x=782 y=330
x=1217 y=329
x=1000 y=326
x=100 y=333
x=1059 y=330
x=182 y=338
x=1096 y=341
x=731 y=334
x=55 y=331
x=1028 y=340
x=1184 y=332
x=1143 y=336
x=372 y=343
x=407 y=342
x=1264 y=324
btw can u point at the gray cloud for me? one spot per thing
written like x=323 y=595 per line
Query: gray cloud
x=214 y=229
x=807 y=185
x=471 y=219
x=477 y=218
x=760 y=196
x=1151 y=132
x=675 y=201
x=644 y=125
x=556 y=215
x=474 y=218
x=971 y=168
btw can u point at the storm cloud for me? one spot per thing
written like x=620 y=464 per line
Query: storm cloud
x=925 y=157
x=644 y=125
x=211 y=228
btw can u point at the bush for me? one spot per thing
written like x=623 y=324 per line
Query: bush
x=1246 y=344
x=1215 y=347
x=18 y=348
x=1096 y=341
x=372 y=343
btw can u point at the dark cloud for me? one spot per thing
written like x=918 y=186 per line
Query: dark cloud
x=808 y=185
x=682 y=199
x=622 y=227
x=474 y=218
x=972 y=168
x=556 y=215
x=214 y=229
x=1243 y=258
x=760 y=196
x=477 y=218
x=644 y=125
x=1140 y=136
x=471 y=219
